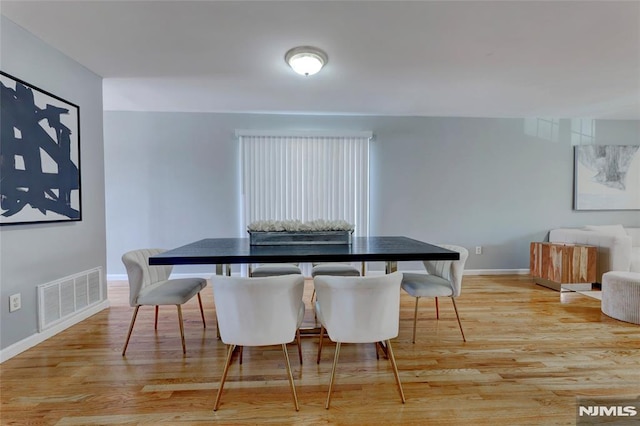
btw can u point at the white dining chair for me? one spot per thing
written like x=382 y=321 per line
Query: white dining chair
x=260 y=311
x=150 y=285
x=274 y=269
x=340 y=269
x=337 y=269
x=442 y=279
x=359 y=310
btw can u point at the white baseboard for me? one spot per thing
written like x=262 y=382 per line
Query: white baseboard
x=467 y=272
x=21 y=346
x=496 y=271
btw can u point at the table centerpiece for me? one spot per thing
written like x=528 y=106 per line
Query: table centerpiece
x=295 y=232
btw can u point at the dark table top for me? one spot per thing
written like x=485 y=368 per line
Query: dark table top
x=362 y=249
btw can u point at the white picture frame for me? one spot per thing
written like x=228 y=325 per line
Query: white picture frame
x=607 y=177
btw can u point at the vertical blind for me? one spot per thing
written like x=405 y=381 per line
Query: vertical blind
x=305 y=177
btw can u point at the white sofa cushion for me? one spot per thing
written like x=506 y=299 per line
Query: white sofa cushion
x=617 y=230
x=634 y=233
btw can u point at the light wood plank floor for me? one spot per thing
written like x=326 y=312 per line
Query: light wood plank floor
x=529 y=353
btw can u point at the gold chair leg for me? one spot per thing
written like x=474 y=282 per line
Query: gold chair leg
x=437 y=309
x=333 y=373
x=395 y=369
x=133 y=321
x=155 y=326
x=313 y=306
x=184 y=346
x=415 y=319
x=320 y=344
x=299 y=342
x=458 y=317
x=224 y=376
x=293 y=388
x=204 y=324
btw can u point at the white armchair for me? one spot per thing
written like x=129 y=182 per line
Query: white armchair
x=359 y=310
x=151 y=286
x=259 y=312
x=618 y=246
x=443 y=279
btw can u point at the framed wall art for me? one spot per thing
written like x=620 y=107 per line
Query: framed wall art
x=39 y=155
x=607 y=177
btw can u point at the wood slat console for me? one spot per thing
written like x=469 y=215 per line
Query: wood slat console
x=554 y=264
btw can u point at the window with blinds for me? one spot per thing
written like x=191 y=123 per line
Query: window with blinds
x=305 y=176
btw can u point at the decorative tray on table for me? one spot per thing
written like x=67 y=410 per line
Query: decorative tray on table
x=264 y=233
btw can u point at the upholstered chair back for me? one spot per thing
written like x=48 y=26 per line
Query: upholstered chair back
x=359 y=309
x=450 y=270
x=258 y=311
x=141 y=274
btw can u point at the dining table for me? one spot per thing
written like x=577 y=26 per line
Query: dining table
x=224 y=252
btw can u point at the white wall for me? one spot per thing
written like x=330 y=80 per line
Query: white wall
x=39 y=253
x=172 y=178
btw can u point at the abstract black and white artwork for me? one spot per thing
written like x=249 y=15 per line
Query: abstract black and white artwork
x=607 y=177
x=39 y=155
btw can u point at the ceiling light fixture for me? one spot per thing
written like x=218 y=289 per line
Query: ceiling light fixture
x=306 y=60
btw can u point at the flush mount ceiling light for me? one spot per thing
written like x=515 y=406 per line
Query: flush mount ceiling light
x=306 y=60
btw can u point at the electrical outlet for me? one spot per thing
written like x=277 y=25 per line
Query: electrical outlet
x=478 y=249
x=14 y=302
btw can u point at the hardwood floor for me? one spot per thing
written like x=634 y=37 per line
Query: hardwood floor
x=529 y=353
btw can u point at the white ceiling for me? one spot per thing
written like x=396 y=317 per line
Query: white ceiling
x=449 y=58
